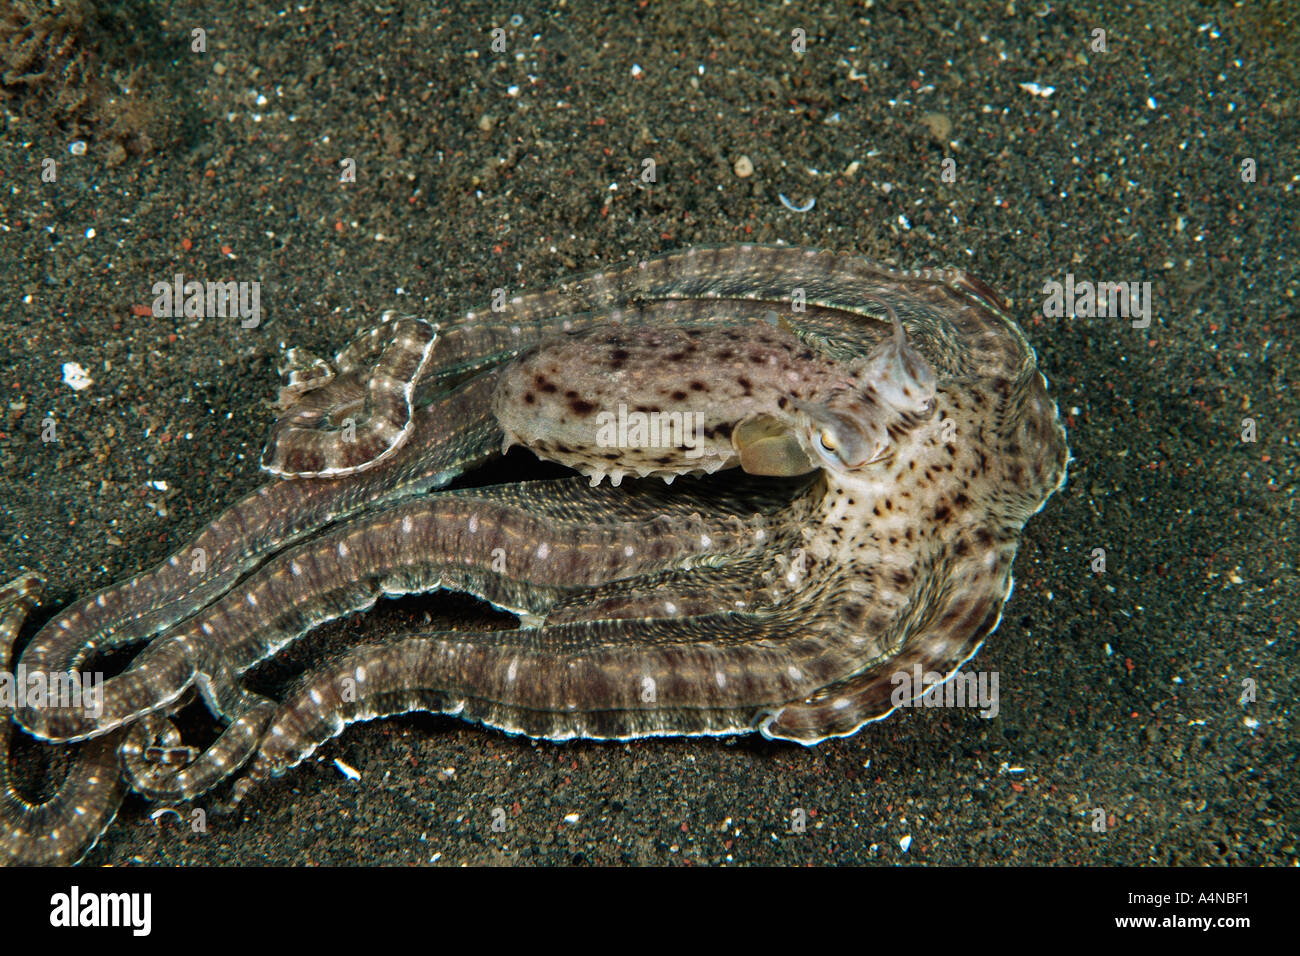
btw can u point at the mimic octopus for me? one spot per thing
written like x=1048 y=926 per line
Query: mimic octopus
x=865 y=445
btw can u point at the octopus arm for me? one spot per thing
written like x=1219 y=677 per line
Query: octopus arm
x=456 y=433
x=518 y=547
x=62 y=828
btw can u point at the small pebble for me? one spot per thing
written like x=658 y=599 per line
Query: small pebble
x=939 y=124
x=744 y=167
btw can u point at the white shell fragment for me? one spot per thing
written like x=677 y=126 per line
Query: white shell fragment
x=76 y=377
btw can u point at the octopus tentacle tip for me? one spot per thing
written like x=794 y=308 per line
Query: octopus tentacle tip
x=337 y=425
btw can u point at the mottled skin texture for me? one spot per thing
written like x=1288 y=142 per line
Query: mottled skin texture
x=643 y=400
x=734 y=604
x=559 y=398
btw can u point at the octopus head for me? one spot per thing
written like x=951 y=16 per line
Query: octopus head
x=852 y=422
x=892 y=388
x=842 y=434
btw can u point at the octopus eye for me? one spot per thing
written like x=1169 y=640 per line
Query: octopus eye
x=828 y=447
x=832 y=437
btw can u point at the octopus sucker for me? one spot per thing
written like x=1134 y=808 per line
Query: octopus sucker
x=819 y=468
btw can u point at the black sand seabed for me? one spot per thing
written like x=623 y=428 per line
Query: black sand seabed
x=479 y=169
